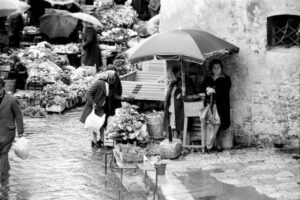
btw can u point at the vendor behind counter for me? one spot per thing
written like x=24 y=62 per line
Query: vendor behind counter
x=19 y=73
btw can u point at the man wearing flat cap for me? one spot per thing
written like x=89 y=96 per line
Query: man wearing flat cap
x=10 y=119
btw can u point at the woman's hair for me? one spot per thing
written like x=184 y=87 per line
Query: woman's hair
x=213 y=62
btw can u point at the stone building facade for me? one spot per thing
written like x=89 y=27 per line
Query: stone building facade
x=265 y=93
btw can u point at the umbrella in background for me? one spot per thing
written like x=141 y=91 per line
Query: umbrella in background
x=87 y=18
x=57 y=23
x=187 y=44
x=60 y=2
x=10 y=7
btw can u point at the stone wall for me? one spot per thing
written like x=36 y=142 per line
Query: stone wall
x=265 y=94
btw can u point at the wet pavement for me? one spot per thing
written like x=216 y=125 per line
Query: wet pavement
x=254 y=174
x=62 y=164
x=204 y=186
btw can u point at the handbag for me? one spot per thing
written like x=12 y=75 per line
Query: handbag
x=210 y=122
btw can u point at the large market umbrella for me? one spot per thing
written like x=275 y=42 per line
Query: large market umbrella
x=57 y=23
x=87 y=18
x=186 y=44
x=9 y=7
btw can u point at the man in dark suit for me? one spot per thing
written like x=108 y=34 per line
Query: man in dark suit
x=10 y=119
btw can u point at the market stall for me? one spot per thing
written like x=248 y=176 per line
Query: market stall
x=185 y=45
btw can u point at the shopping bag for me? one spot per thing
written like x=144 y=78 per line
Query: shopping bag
x=21 y=148
x=94 y=122
x=210 y=121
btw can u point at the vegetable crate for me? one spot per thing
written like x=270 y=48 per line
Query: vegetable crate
x=148 y=84
x=129 y=157
x=34 y=86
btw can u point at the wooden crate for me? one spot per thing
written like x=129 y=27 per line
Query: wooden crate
x=146 y=84
x=143 y=86
x=129 y=157
x=34 y=86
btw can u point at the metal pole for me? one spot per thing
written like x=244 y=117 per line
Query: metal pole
x=183 y=78
x=105 y=169
x=105 y=163
x=120 y=189
x=155 y=188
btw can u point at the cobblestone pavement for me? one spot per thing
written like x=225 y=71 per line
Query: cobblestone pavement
x=62 y=164
x=254 y=174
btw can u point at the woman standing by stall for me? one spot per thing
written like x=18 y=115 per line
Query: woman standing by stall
x=218 y=85
x=103 y=97
x=91 y=53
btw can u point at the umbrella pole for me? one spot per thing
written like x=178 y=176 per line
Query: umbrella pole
x=182 y=78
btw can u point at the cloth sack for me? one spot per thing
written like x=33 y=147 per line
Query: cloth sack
x=94 y=122
x=210 y=123
x=21 y=148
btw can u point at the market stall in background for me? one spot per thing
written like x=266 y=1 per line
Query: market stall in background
x=56 y=80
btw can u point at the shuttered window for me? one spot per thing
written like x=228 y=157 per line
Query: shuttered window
x=283 y=31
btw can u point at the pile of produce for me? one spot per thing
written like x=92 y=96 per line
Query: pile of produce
x=141 y=29
x=35 y=112
x=116 y=16
x=31 y=30
x=5 y=59
x=27 y=94
x=121 y=65
x=128 y=125
x=66 y=49
x=80 y=86
x=42 y=51
x=108 y=50
x=117 y=34
x=42 y=72
x=56 y=94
